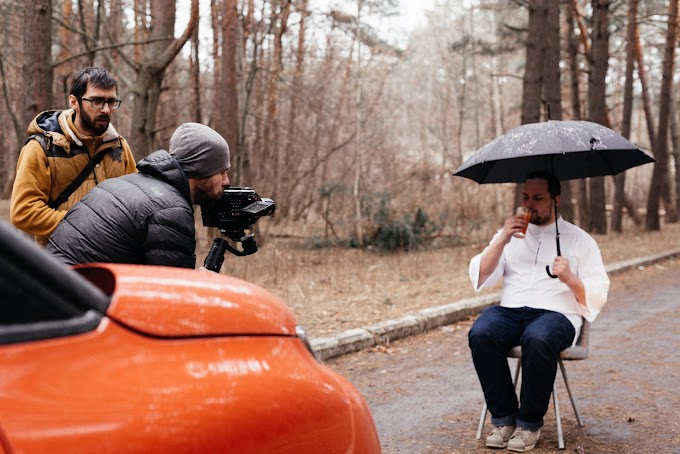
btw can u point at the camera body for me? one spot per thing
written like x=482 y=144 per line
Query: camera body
x=236 y=211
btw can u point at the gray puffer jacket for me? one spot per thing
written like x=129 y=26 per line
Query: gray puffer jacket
x=142 y=218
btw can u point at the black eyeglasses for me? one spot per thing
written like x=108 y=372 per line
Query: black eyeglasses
x=98 y=103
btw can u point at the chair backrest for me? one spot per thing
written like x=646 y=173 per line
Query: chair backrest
x=584 y=337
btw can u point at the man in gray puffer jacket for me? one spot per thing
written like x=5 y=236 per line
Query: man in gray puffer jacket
x=148 y=217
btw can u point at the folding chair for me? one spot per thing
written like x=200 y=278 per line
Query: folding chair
x=575 y=353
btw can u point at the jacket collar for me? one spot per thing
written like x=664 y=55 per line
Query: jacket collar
x=70 y=130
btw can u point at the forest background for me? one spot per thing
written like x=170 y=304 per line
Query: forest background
x=353 y=128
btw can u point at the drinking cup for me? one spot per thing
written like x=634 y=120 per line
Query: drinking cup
x=526 y=214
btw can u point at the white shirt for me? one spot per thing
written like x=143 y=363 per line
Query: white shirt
x=526 y=283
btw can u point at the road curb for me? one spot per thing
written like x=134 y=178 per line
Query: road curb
x=381 y=333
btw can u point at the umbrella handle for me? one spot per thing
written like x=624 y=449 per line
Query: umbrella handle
x=557 y=240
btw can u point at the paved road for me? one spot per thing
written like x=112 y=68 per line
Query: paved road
x=426 y=399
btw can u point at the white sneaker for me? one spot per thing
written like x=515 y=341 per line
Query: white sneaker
x=523 y=440
x=499 y=436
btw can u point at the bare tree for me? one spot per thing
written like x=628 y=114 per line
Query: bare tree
x=660 y=185
x=37 y=74
x=574 y=19
x=195 y=76
x=358 y=148
x=532 y=88
x=533 y=68
x=675 y=140
x=620 y=180
x=599 y=57
x=272 y=153
x=160 y=52
x=228 y=91
x=38 y=58
x=552 y=89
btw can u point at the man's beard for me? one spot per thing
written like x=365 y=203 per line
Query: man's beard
x=90 y=124
x=536 y=219
x=205 y=192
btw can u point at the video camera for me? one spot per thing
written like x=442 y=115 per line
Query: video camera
x=236 y=211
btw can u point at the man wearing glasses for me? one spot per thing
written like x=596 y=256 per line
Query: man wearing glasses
x=68 y=152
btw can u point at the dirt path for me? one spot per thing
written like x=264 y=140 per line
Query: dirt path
x=426 y=399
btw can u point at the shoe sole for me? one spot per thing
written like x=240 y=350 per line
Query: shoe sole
x=526 y=448
x=500 y=446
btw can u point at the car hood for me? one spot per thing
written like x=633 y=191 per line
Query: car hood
x=176 y=302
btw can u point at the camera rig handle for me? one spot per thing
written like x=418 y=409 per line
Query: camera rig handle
x=213 y=261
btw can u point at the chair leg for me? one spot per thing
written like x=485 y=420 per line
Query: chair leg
x=571 y=396
x=482 y=418
x=558 y=418
x=556 y=404
x=517 y=369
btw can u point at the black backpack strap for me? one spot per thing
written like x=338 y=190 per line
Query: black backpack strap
x=75 y=184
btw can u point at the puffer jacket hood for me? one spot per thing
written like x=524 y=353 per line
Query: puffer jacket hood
x=162 y=166
x=55 y=124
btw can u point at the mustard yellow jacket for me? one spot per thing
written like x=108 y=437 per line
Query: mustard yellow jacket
x=43 y=174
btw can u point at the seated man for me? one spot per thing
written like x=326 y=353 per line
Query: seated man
x=541 y=314
x=148 y=217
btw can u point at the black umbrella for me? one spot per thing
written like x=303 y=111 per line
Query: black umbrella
x=567 y=149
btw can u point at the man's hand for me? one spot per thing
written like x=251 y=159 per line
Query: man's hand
x=514 y=224
x=562 y=270
x=492 y=254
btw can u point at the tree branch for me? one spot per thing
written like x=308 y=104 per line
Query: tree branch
x=107 y=47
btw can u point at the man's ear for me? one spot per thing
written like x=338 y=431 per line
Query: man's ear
x=557 y=200
x=73 y=103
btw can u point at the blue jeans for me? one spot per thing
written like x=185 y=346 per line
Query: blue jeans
x=543 y=335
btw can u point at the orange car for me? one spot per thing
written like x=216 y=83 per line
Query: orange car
x=140 y=359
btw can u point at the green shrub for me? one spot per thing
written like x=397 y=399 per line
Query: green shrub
x=404 y=234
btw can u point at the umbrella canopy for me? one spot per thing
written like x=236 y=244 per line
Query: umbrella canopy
x=567 y=149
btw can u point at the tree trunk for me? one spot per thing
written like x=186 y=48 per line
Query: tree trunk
x=216 y=25
x=89 y=27
x=552 y=91
x=293 y=154
x=475 y=78
x=532 y=85
x=141 y=30
x=228 y=89
x=37 y=74
x=462 y=104
x=19 y=132
x=358 y=149
x=620 y=180
x=272 y=152
x=599 y=57
x=147 y=87
x=660 y=178
x=575 y=95
x=195 y=77
x=37 y=68
x=533 y=68
x=675 y=141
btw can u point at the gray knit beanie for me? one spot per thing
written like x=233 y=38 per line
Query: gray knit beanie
x=200 y=150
